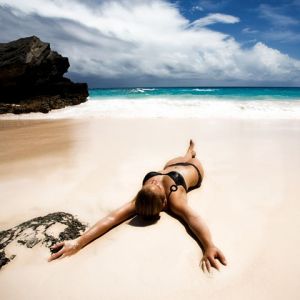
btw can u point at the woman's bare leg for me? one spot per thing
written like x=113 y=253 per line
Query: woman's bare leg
x=188 y=157
x=191 y=153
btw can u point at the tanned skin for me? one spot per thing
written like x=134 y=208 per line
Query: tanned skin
x=176 y=203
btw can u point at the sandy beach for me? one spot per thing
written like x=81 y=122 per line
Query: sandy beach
x=90 y=166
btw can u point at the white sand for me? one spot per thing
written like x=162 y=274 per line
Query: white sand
x=249 y=198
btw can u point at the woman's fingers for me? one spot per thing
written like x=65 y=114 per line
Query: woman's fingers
x=213 y=263
x=57 y=245
x=210 y=259
x=222 y=258
x=57 y=254
x=209 y=262
x=205 y=264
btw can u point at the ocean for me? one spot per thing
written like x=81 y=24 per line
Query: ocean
x=183 y=102
x=197 y=93
x=195 y=102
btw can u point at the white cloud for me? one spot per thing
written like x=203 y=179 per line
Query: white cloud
x=275 y=16
x=215 y=18
x=213 y=5
x=144 y=39
x=282 y=36
x=263 y=61
x=249 y=30
x=197 y=8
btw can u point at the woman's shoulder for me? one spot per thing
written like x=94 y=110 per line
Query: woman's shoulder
x=177 y=199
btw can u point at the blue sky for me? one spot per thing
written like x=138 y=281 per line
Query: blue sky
x=273 y=22
x=116 y=43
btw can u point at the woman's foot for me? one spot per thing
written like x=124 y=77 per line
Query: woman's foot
x=192 y=146
x=191 y=152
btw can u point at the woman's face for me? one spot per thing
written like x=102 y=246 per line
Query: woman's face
x=158 y=189
x=153 y=182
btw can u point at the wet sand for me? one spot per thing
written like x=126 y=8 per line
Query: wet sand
x=88 y=167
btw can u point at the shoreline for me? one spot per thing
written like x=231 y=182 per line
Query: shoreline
x=171 y=109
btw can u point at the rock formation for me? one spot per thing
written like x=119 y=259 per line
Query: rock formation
x=31 y=78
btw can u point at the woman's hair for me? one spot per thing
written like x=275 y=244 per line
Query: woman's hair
x=148 y=203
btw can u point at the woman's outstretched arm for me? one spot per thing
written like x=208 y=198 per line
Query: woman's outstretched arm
x=114 y=218
x=195 y=222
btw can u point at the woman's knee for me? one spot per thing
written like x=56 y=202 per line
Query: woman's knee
x=175 y=161
x=198 y=164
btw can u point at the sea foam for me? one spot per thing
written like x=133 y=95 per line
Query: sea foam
x=170 y=107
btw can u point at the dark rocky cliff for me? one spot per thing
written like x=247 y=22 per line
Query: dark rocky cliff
x=31 y=78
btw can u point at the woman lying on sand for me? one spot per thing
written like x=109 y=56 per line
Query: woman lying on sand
x=165 y=190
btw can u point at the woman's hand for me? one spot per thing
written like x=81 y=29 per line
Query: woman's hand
x=65 y=248
x=210 y=257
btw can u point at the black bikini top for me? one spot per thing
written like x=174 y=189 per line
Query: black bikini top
x=177 y=178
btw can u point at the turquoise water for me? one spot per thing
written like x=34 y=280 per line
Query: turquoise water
x=247 y=103
x=216 y=93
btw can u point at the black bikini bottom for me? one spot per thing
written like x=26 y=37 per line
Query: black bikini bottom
x=198 y=184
